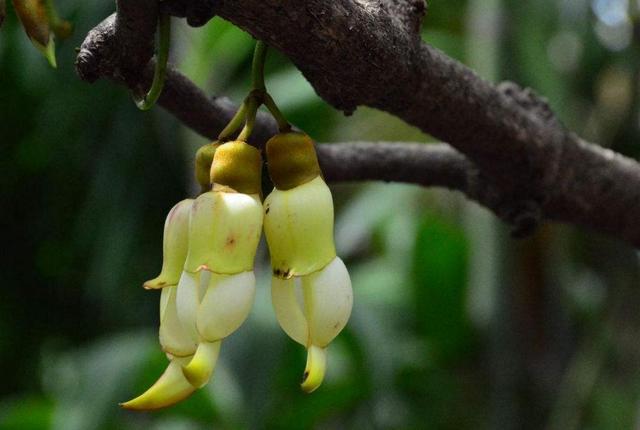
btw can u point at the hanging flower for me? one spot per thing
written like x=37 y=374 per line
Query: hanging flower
x=41 y=23
x=216 y=284
x=311 y=289
x=171 y=387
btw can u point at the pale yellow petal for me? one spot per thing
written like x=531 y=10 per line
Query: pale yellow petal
x=224 y=232
x=298 y=225
x=169 y=389
x=200 y=369
x=174 y=247
x=164 y=299
x=315 y=368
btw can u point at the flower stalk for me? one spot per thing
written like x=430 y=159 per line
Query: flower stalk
x=257 y=66
x=258 y=96
x=159 y=74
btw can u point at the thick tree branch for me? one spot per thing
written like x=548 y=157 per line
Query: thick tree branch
x=122 y=44
x=518 y=160
x=428 y=165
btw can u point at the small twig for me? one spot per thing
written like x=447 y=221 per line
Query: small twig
x=150 y=98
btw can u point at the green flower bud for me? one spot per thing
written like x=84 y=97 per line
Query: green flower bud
x=237 y=165
x=292 y=160
x=36 y=23
x=204 y=158
x=34 y=19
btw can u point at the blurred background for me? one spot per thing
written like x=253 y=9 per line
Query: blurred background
x=455 y=325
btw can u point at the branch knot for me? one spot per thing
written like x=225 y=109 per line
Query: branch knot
x=529 y=100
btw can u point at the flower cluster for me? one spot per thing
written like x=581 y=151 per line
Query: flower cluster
x=207 y=279
x=310 y=289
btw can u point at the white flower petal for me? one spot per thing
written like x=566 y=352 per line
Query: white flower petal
x=187 y=300
x=203 y=284
x=328 y=301
x=225 y=305
x=173 y=337
x=288 y=310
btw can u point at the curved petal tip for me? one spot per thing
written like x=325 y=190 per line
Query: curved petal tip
x=316 y=367
x=200 y=369
x=157 y=284
x=169 y=389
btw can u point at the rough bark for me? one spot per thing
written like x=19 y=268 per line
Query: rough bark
x=511 y=153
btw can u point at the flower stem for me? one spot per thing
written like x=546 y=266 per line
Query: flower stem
x=257 y=66
x=257 y=78
x=234 y=124
x=283 y=124
x=161 y=65
x=252 y=104
x=257 y=97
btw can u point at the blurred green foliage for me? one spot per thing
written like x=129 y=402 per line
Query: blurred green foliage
x=455 y=325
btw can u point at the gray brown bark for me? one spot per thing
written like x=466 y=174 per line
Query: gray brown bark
x=508 y=150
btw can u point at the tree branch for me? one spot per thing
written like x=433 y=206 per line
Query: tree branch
x=122 y=44
x=518 y=159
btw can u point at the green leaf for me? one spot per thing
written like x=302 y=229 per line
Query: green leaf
x=26 y=414
x=440 y=276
